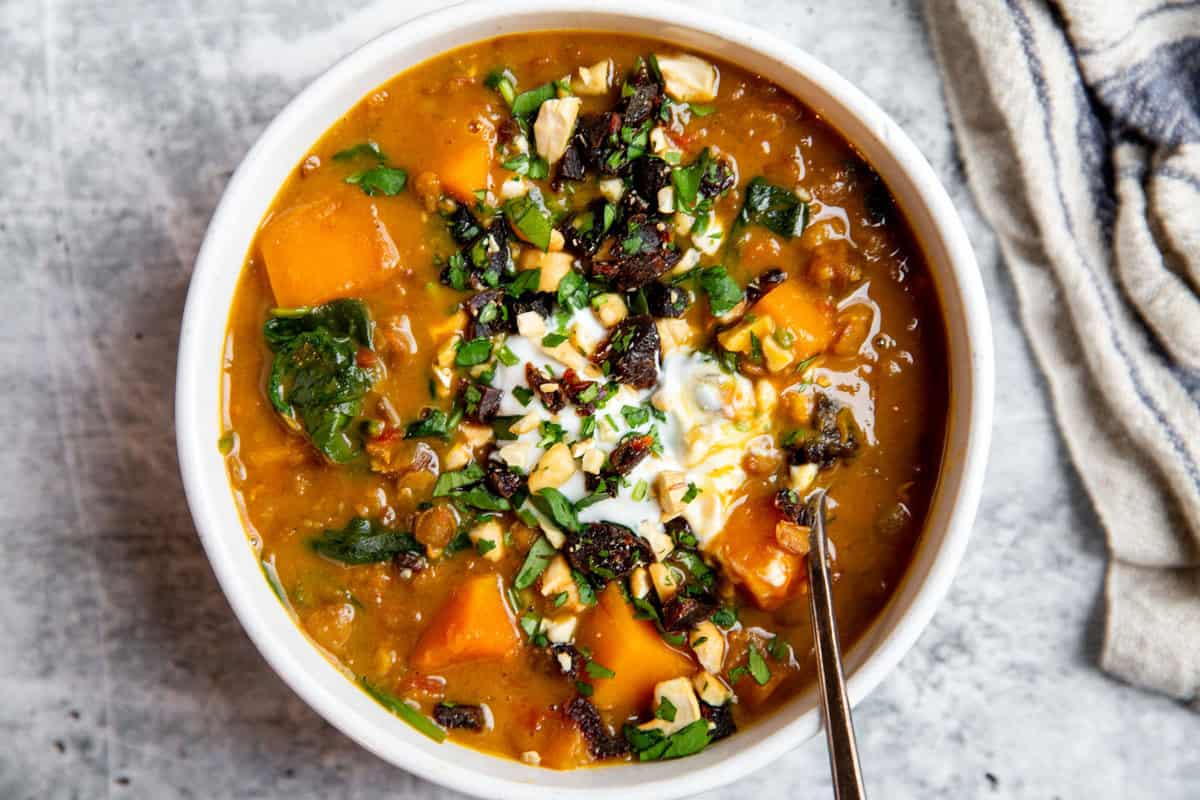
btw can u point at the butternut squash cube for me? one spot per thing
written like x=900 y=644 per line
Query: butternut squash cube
x=633 y=650
x=326 y=249
x=473 y=625
x=807 y=314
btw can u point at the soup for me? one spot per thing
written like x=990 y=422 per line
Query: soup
x=532 y=370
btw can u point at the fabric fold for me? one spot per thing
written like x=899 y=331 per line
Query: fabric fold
x=1077 y=124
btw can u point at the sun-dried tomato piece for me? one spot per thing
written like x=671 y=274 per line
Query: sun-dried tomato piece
x=600 y=740
x=548 y=390
x=632 y=352
x=606 y=550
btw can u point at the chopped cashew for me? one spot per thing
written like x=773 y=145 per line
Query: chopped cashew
x=593 y=80
x=666 y=199
x=531 y=325
x=489 y=531
x=554 y=265
x=680 y=694
x=610 y=308
x=671 y=486
x=557 y=241
x=708 y=644
x=593 y=461
x=448 y=351
x=777 y=356
x=675 y=334
x=712 y=690
x=516 y=186
x=557 y=579
x=710 y=241
x=737 y=339
x=517 y=454
x=526 y=423
x=457 y=457
x=688 y=79
x=661 y=543
x=560 y=630
x=639 y=582
x=612 y=189
x=665 y=580
x=553 y=470
x=554 y=126
x=802 y=477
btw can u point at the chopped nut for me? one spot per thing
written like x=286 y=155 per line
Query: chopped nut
x=531 y=757
x=557 y=579
x=665 y=581
x=554 y=126
x=737 y=339
x=557 y=241
x=489 y=531
x=777 y=356
x=553 y=265
x=560 y=630
x=457 y=457
x=593 y=80
x=680 y=694
x=666 y=200
x=660 y=541
x=531 y=325
x=688 y=79
x=517 y=454
x=683 y=222
x=448 y=351
x=711 y=239
x=672 y=486
x=516 y=186
x=674 y=334
x=593 y=461
x=443 y=378
x=526 y=423
x=708 y=643
x=612 y=189
x=712 y=690
x=639 y=582
x=553 y=470
x=802 y=477
x=792 y=537
x=610 y=308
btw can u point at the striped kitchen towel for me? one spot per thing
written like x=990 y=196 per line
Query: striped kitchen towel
x=1079 y=123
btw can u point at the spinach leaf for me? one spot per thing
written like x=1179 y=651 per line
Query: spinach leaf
x=315 y=381
x=404 y=711
x=473 y=352
x=573 y=291
x=775 y=208
x=364 y=542
x=557 y=507
x=723 y=291
x=449 y=482
x=367 y=148
x=652 y=745
x=536 y=560
x=382 y=179
x=348 y=318
x=433 y=422
x=527 y=103
x=529 y=216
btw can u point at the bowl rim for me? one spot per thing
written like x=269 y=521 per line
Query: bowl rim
x=212 y=502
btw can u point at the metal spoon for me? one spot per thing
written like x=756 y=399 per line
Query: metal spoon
x=839 y=727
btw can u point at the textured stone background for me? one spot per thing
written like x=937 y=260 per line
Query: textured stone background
x=123 y=673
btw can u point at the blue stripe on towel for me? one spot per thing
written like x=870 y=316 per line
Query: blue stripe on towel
x=1033 y=63
x=1177 y=5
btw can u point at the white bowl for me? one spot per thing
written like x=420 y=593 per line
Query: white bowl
x=198 y=388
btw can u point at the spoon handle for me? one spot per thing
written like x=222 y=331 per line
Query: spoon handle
x=839 y=727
